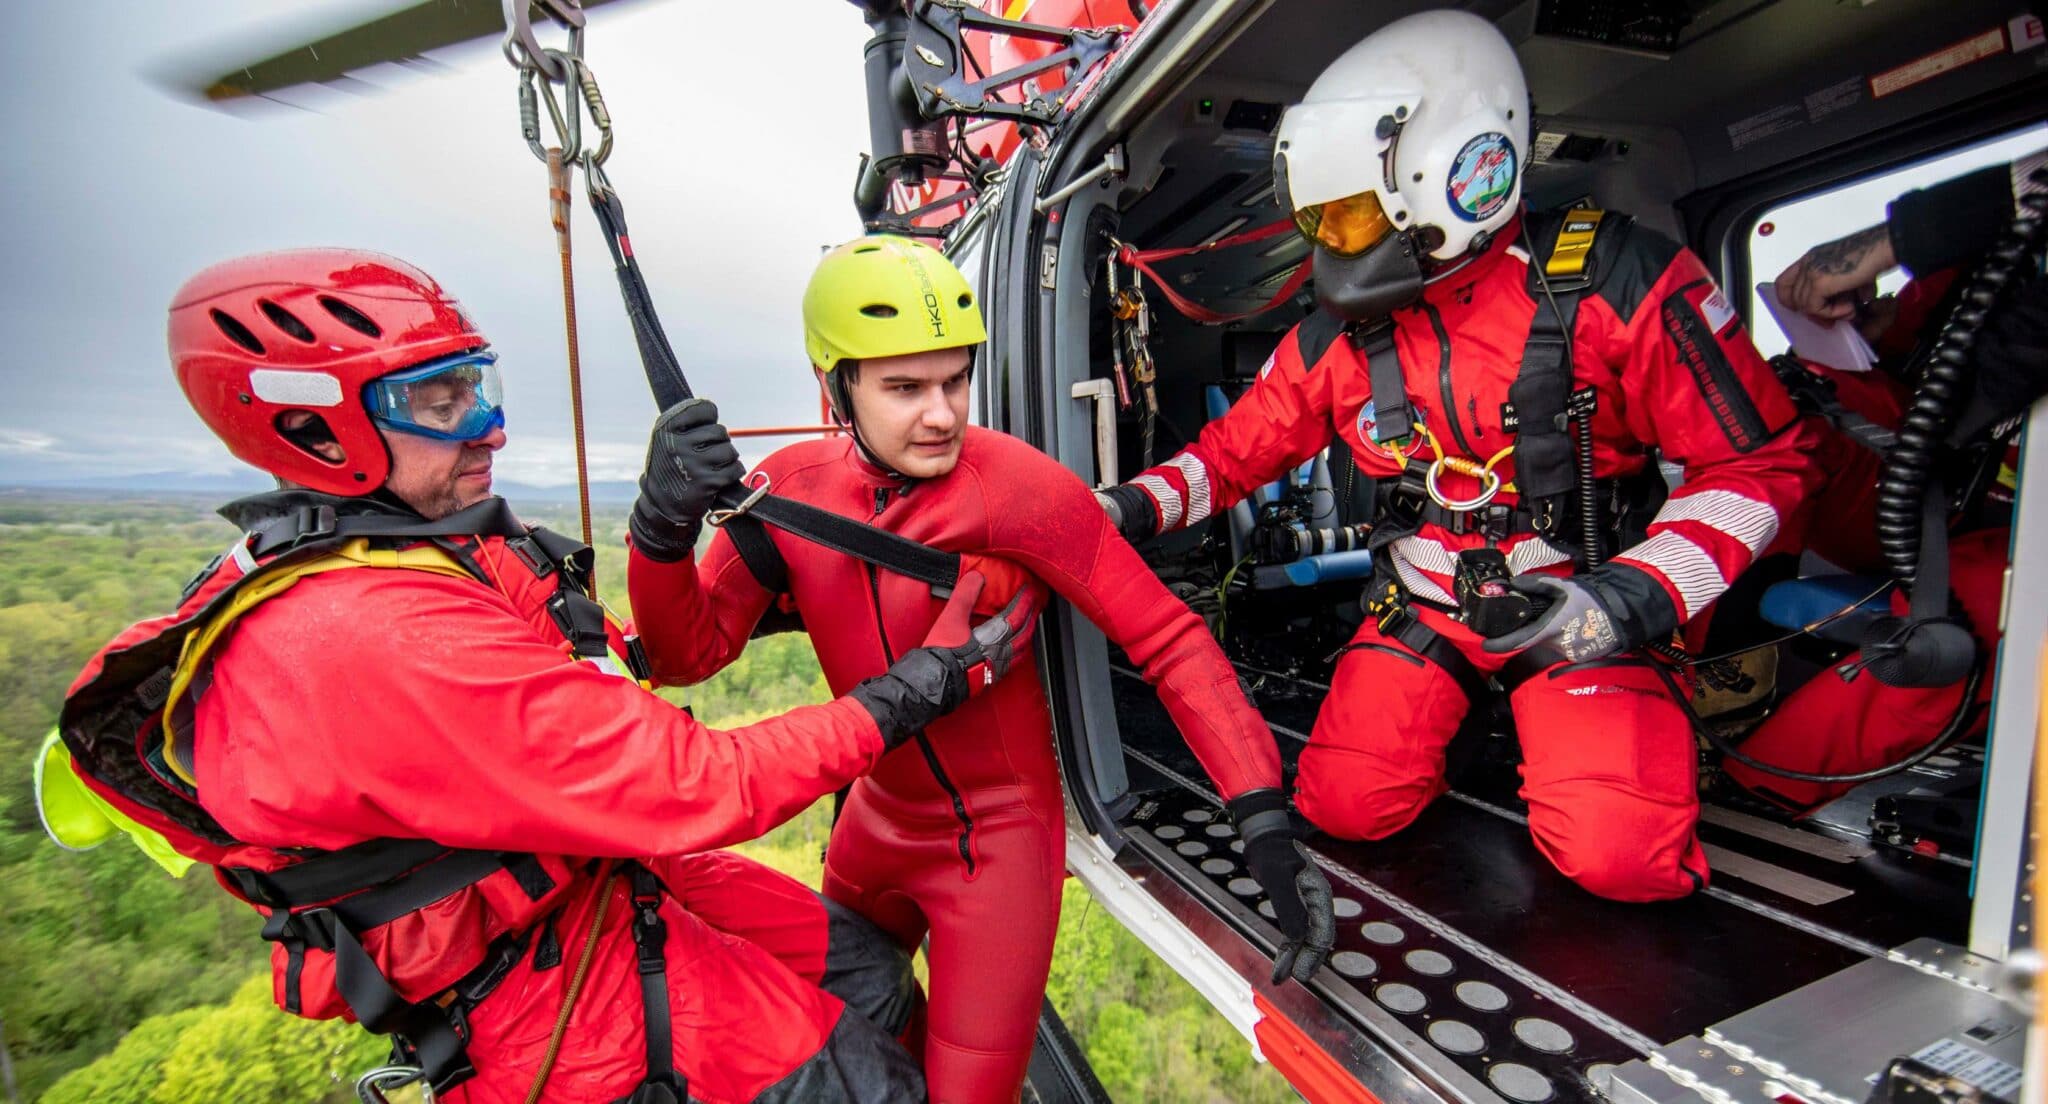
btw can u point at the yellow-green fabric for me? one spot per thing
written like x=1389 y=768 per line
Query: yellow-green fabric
x=79 y=819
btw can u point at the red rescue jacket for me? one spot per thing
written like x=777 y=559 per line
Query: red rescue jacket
x=1662 y=352
x=372 y=707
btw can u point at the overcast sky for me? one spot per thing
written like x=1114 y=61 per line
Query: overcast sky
x=735 y=155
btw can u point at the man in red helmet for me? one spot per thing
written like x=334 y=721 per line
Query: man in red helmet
x=393 y=719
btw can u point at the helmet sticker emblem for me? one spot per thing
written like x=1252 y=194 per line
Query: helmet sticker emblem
x=1482 y=177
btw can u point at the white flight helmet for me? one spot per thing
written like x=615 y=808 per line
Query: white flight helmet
x=1427 y=118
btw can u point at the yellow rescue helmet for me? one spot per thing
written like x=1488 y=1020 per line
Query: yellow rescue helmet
x=79 y=819
x=884 y=295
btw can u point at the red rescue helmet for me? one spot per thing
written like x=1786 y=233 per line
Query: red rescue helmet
x=257 y=338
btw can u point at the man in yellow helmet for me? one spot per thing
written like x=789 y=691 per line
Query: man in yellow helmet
x=961 y=837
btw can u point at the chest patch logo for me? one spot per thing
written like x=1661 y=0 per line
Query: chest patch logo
x=1368 y=425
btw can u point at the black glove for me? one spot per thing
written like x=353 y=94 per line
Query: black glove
x=1587 y=617
x=690 y=462
x=1132 y=510
x=1299 y=892
x=933 y=680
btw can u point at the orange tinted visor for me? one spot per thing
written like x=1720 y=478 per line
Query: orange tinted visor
x=1346 y=227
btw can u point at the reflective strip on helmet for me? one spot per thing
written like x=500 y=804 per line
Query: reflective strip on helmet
x=295 y=388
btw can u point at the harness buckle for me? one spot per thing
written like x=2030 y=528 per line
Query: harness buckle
x=312 y=523
x=717 y=518
x=1390 y=610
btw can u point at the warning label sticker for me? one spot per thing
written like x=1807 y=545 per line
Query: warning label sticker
x=1974 y=1066
x=1975 y=48
x=1763 y=124
x=2026 y=32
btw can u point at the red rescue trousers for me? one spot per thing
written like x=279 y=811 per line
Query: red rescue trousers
x=1830 y=726
x=1608 y=759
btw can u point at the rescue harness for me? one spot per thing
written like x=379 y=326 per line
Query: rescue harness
x=128 y=729
x=1558 y=497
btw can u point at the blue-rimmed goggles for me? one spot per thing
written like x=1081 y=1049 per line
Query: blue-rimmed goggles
x=455 y=398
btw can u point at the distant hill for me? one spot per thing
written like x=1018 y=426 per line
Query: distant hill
x=226 y=485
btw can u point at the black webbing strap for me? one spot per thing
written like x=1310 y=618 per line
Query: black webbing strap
x=1392 y=420
x=1541 y=396
x=1430 y=644
x=333 y=874
x=757 y=550
x=1929 y=599
x=307 y=523
x=377 y=882
x=900 y=554
x=939 y=570
x=650 y=932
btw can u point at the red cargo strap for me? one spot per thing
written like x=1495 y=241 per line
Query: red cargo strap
x=1141 y=259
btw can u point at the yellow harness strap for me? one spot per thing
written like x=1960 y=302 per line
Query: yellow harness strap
x=1574 y=242
x=271 y=582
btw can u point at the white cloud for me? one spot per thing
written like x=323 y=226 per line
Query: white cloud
x=24 y=442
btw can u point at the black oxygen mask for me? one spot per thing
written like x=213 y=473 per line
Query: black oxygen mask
x=1371 y=286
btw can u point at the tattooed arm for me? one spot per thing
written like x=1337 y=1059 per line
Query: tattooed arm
x=1925 y=230
x=1824 y=282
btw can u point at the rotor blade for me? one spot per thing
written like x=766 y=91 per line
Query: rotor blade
x=401 y=36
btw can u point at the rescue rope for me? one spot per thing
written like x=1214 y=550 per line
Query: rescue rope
x=547 y=1061
x=558 y=214
x=1142 y=260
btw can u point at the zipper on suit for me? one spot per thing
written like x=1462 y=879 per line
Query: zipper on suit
x=924 y=743
x=1443 y=373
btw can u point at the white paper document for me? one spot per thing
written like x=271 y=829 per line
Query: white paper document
x=1835 y=344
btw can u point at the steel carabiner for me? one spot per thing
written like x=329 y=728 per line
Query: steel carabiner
x=370 y=1087
x=568 y=127
x=523 y=49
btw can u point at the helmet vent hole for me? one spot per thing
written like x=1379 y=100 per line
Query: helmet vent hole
x=867 y=249
x=236 y=332
x=966 y=300
x=311 y=434
x=286 y=321
x=879 y=310
x=352 y=318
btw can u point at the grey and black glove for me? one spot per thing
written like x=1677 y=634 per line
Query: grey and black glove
x=954 y=663
x=690 y=462
x=1586 y=617
x=1299 y=893
x=1132 y=510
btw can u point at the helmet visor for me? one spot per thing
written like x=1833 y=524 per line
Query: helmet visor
x=1346 y=227
x=455 y=398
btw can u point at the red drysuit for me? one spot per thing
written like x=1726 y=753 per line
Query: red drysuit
x=393 y=703
x=961 y=834
x=1609 y=755
x=1832 y=726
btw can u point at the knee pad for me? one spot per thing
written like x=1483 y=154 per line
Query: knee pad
x=1358 y=814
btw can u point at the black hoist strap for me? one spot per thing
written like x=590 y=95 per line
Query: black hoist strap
x=928 y=565
x=1392 y=419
